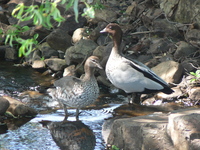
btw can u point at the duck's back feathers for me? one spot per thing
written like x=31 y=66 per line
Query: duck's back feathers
x=67 y=81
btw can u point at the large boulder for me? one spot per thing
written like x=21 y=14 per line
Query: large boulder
x=18 y=108
x=170 y=71
x=59 y=40
x=178 y=131
x=80 y=51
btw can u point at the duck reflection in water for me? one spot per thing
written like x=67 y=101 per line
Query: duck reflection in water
x=71 y=135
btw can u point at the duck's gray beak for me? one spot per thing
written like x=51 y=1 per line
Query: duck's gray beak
x=103 y=31
x=99 y=66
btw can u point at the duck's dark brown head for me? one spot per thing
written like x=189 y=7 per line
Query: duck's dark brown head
x=113 y=29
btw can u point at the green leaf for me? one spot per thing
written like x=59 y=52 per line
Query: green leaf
x=192 y=73
x=76 y=9
x=192 y=80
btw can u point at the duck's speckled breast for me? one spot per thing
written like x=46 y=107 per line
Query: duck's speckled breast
x=80 y=95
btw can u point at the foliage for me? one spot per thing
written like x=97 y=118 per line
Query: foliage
x=40 y=15
x=196 y=75
x=26 y=45
x=114 y=147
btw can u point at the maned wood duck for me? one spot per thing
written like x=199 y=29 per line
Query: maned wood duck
x=130 y=75
x=78 y=92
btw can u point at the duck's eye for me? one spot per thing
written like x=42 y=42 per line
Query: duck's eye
x=93 y=60
x=110 y=27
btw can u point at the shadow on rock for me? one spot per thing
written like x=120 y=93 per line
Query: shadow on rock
x=71 y=135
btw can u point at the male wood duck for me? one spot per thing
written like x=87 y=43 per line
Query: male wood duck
x=78 y=92
x=128 y=74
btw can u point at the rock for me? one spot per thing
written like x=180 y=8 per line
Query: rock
x=159 y=45
x=165 y=27
x=185 y=11
x=69 y=71
x=189 y=64
x=184 y=130
x=180 y=130
x=3 y=18
x=18 y=108
x=169 y=71
x=59 y=40
x=177 y=93
x=79 y=51
x=194 y=94
x=99 y=52
x=184 y=50
x=193 y=37
x=48 y=52
x=70 y=25
x=55 y=64
x=140 y=133
x=78 y=35
x=11 y=54
x=106 y=15
x=38 y=64
x=4 y=105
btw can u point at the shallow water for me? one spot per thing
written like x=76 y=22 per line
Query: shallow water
x=32 y=134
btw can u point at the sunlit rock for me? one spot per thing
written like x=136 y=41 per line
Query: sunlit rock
x=170 y=71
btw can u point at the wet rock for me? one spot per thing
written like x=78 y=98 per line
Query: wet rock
x=55 y=64
x=169 y=71
x=184 y=130
x=4 y=105
x=178 y=131
x=140 y=133
x=38 y=64
x=18 y=108
x=79 y=51
x=59 y=40
x=184 y=50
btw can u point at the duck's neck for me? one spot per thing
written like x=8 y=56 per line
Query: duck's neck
x=89 y=73
x=116 y=50
x=117 y=39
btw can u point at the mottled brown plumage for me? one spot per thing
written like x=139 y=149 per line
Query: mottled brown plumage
x=78 y=92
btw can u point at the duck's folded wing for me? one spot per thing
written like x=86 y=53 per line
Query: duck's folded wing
x=147 y=72
x=68 y=81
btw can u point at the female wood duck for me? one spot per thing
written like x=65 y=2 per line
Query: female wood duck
x=130 y=75
x=78 y=92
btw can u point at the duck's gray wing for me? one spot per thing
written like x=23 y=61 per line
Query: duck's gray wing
x=68 y=81
x=147 y=72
